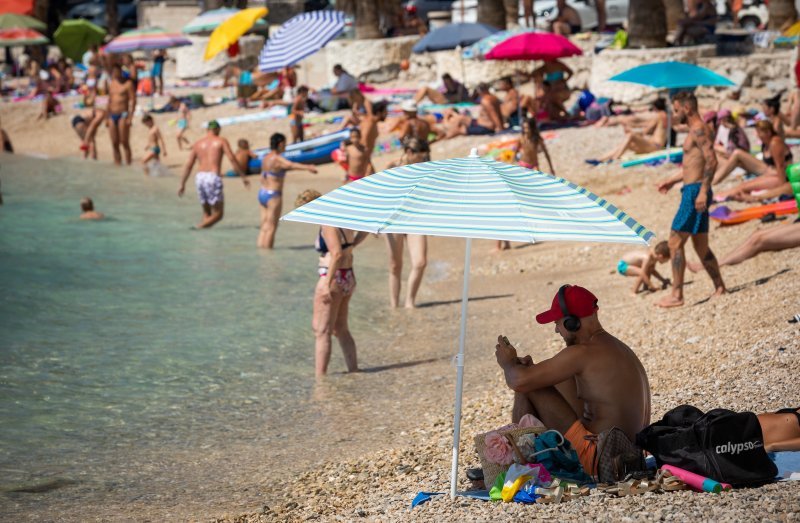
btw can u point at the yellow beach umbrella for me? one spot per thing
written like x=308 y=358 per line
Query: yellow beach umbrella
x=793 y=30
x=232 y=29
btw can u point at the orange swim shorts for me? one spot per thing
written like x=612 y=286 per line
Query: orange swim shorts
x=586 y=449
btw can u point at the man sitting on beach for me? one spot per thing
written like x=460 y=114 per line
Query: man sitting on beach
x=489 y=120
x=451 y=92
x=209 y=151
x=412 y=125
x=346 y=88
x=88 y=212
x=595 y=383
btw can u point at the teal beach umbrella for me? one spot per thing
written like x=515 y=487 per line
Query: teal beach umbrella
x=470 y=198
x=672 y=75
x=75 y=37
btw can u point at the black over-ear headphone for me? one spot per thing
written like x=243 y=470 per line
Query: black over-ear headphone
x=571 y=323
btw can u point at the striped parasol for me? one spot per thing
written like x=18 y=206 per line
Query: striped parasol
x=479 y=49
x=302 y=36
x=210 y=20
x=15 y=37
x=472 y=197
x=146 y=39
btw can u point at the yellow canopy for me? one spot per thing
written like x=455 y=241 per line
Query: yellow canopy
x=793 y=30
x=232 y=29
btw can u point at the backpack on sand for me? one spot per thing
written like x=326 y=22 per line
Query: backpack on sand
x=617 y=456
x=721 y=444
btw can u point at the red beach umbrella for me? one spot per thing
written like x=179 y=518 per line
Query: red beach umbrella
x=534 y=46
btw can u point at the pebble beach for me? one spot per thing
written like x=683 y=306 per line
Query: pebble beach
x=736 y=352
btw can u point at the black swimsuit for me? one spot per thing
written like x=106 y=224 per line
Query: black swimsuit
x=322 y=247
x=770 y=161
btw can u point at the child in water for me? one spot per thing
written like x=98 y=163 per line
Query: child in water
x=155 y=143
x=641 y=264
x=183 y=124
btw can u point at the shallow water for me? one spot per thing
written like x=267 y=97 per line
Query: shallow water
x=139 y=355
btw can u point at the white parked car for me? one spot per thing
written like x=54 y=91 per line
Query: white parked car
x=616 y=12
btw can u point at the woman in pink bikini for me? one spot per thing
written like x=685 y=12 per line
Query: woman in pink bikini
x=335 y=287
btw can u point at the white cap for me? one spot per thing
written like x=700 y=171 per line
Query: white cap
x=409 y=106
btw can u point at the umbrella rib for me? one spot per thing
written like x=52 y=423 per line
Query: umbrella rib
x=516 y=201
x=396 y=210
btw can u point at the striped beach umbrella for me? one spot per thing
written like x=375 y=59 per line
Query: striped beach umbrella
x=210 y=20
x=301 y=36
x=479 y=49
x=472 y=197
x=15 y=37
x=146 y=39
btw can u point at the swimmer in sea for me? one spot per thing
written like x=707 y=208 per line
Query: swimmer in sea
x=88 y=212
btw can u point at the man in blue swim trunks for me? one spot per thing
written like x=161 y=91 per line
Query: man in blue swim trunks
x=699 y=164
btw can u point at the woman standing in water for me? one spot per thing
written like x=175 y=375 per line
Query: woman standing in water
x=335 y=287
x=415 y=151
x=273 y=171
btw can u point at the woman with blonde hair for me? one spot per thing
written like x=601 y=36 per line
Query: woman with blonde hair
x=335 y=287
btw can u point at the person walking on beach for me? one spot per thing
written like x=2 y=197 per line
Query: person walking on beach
x=208 y=151
x=273 y=173
x=415 y=151
x=121 y=107
x=691 y=220
x=593 y=384
x=157 y=72
x=335 y=288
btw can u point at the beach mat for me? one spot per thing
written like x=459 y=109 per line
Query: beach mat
x=726 y=216
x=788 y=463
x=274 y=113
x=675 y=156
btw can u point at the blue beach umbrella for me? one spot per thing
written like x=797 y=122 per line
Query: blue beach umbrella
x=672 y=75
x=470 y=198
x=452 y=36
x=301 y=36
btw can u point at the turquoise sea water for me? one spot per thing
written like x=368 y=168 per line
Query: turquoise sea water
x=130 y=339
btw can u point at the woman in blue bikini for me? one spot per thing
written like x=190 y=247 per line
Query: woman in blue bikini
x=273 y=171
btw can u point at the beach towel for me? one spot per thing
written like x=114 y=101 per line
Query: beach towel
x=562 y=460
x=788 y=463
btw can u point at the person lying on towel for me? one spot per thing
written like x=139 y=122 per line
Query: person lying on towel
x=595 y=383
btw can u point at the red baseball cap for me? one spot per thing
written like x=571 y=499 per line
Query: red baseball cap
x=579 y=301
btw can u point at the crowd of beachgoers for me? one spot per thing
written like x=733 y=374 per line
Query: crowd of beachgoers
x=729 y=156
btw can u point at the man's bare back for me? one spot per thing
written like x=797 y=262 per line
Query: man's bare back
x=209 y=151
x=694 y=162
x=415 y=127
x=489 y=115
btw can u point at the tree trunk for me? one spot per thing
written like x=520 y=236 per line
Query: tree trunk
x=647 y=24
x=366 y=19
x=492 y=12
x=675 y=12
x=112 y=17
x=512 y=13
x=782 y=14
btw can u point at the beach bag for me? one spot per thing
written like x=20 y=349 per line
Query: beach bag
x=491 y=469
x=617 y=456
x=721 y=444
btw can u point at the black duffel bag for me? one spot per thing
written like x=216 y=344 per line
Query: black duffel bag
x=723 y=445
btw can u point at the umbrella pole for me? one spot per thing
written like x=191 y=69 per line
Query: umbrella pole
x=463 y=71
x=669 y=123
x=460 y=371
